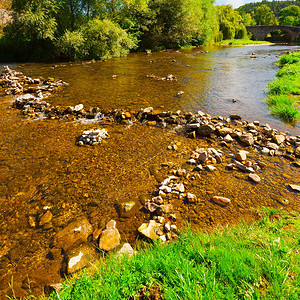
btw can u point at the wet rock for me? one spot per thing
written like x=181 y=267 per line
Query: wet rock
x=46 y=218
x=81 y=257
x=295 y=187
x=297 y=152
x=225 y=131
x=254 y=177
x=235 y=117
x=126 y=250
x=179 y=187
x=296 y=163
x=151 y=206
x=205 y=130
x=75 y=233
x=210 y=168
x=149 y=230
x=228 y=139
x=272 y=146
x=181 y=172
x=247 y=139
x=221 y=200
x=127 y=206
x=279 y=138
x=265 y=151
x=262 y=164
x=191 y=198
x=241 y=156
x=110 y=237
x=198 y=168
x=92 y=137
x=158 y=200
x=243 y=167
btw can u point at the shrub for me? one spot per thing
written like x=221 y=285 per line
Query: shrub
x=71 y=45
x=106 y=39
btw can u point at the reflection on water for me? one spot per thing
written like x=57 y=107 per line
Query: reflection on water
x=209 y=81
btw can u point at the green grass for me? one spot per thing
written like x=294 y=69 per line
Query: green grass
x=284 y=92
x=257 y=261
x=241 y=42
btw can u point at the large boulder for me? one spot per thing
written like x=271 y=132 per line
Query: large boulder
x=74 y=234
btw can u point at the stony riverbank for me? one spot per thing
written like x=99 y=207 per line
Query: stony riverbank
x=238 y=147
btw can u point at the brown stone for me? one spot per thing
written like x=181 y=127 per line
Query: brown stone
x=81 y=257
x=254 y=177
x=46 y=218
x=247 y=139
x=75 y=233
x=221 y=200
x=110 y=238
x=241 y=156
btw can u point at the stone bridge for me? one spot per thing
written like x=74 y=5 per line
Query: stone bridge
x=260 y=32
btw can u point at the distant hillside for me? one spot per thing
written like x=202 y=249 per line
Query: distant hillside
x=275 y=6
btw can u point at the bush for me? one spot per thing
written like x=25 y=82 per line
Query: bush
x=106 y=39
x=71 y=45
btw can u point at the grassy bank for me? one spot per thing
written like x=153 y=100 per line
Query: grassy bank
x=284 y=92
x=242 y=42
x=258 y=261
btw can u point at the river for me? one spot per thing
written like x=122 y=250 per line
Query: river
x=41 y=166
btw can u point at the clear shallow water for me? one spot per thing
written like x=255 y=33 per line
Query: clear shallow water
x=209 y=81
x=41 y=166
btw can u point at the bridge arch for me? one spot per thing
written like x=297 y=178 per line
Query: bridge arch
x=260 y=32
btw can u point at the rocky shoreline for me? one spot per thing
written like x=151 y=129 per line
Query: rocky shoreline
x=79 y=241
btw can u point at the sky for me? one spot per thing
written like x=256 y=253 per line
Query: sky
x=234 y=3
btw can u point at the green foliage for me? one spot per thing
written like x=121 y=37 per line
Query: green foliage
x=241 y=42
x=99 y=39
x=255 y=261
x=176 y=23
x=275 y=6
x=291 y=58
x=105 y=39
x=71 y=45
x=284 y=92
x=290 y=16
x=230 y=23
x=264 y=16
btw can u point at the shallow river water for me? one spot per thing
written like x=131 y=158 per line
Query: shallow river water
x=41 y=166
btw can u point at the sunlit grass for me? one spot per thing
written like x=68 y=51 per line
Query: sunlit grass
x=242 y=42
x=257 y=261
x=284 y=92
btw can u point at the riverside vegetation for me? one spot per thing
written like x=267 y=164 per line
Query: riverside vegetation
x=284 y=92
x=247 y=261
x=85 y=29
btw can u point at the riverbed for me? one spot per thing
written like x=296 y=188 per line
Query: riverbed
x=41 y=165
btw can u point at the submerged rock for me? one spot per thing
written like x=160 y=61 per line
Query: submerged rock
x=221 y=200
x=81 y=257
x=254 y=177
x=75 y=233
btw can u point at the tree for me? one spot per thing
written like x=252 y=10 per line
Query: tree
x=290 y=16
x=264 y=16
x=230 y=23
